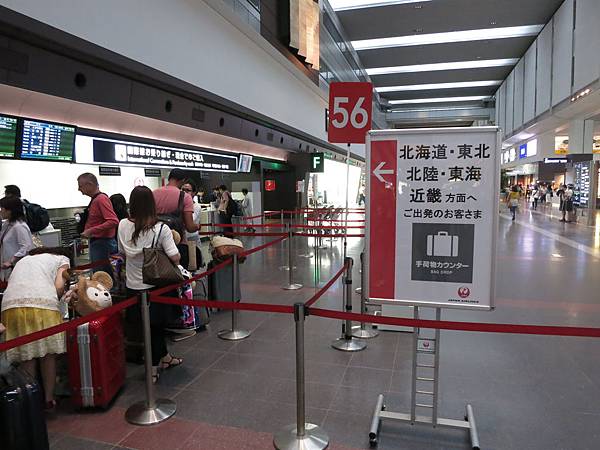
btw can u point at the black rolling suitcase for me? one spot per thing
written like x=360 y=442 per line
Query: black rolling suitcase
x=22 y=421
x=220 y=283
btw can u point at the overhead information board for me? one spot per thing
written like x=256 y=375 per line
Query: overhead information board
x=8 y=136
x=47 y=141
x=432 y=208
x=120 y=152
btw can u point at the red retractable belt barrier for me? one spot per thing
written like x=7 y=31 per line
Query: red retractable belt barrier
x=311 y=301
x=259 y=307
x=328 y=227
x=337 y=235
x=26 y=339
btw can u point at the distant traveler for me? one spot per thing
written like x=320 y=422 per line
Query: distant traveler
x=141 y=230
x=29 y=306
x=566 y=203
x=175 y=208
x=512 y=200
x=98 y=222
x=192 y=239
x=537 y=196
x=215 y=197
x=119 y=206
x=15 y=236
x=247 y=211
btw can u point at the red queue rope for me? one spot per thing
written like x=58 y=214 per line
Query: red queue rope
x=27 y=338
x=235 y=233
x=328 y=227
x=542 y=330
x=240 y=225
x=337 y=235
x=204 y=274
x=262 y=247
x=311 y=301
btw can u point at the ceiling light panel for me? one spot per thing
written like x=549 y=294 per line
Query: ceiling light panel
x=452 y=36
x=471 y=98
x=433 y=86
x=342 y=5
x=436 y=67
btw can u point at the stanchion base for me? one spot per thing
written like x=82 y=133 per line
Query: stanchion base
x=140 y=414
x=292 y=287
x=286 y=268
x=306 y=256
x=349 y=345
x=358 y=290
x=315 y=438
x=364 y=334
x=233 y=335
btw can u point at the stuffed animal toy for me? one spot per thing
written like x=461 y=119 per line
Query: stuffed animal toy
x=89 y=294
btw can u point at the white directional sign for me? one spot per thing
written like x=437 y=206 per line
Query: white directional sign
x=432 y=209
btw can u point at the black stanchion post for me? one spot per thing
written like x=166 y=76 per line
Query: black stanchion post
x=152 y=410
x=346 y=343
x=301 y=435
x=234 y=334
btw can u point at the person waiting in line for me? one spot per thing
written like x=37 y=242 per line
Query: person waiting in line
x=566 y=203
x=143 y=230
x=15 y=237
x=119 y=206
x=99 y=221
x=512 y=200
x=192 y=239
x=176 y=208
x=29 y=306
x=247 y=211
x=225 y=209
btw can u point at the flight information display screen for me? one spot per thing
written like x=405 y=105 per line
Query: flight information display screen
x=47 y=141
x=8 y=136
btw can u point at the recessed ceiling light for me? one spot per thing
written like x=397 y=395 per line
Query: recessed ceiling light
x=471 y=98
x=427 y=87
x=452 y=36
x=458 y=65
x=341 y=5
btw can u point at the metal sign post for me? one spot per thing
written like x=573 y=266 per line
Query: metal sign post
x=347 y=343
x=432 y=218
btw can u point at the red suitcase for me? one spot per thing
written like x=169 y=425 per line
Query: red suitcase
x=96 y=356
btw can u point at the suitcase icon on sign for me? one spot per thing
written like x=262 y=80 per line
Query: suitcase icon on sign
x=442 y=244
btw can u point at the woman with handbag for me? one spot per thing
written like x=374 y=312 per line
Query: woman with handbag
x=138 y=235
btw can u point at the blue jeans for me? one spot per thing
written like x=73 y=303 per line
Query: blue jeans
x=101 y=249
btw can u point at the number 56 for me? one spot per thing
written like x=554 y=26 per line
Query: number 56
x=357 y=111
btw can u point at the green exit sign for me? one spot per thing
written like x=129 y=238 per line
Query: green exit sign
x=317 y=162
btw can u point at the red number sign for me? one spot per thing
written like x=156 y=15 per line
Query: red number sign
x=269 y=185
x=349 y=112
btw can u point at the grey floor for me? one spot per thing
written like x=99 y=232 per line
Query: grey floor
x=528 y=392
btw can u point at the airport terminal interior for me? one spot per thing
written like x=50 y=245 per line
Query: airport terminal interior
x=299 y=224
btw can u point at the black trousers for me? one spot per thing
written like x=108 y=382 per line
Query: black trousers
x=159 y=314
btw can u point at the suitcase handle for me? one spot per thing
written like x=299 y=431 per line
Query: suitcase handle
x=442 y=233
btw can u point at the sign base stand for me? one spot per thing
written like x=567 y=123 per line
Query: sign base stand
x=425 y=371
x=349 y=345
x=315 y=438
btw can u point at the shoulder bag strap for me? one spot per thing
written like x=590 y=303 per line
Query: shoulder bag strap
x=180 y=203
x=156 y=236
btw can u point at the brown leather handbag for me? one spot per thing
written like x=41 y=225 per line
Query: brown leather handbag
x=158 y=269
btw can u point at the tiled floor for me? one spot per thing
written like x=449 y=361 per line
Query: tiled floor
x=528 y=392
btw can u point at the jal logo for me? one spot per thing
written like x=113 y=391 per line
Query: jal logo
x=464 y=292
x=425 y=344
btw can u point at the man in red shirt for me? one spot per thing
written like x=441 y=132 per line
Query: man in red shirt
x=179 y=216
x=100 y=221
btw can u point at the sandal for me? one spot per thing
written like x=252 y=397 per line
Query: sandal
x=172 y=362
x=155 y=374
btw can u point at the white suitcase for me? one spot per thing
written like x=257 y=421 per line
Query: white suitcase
x=442 y=244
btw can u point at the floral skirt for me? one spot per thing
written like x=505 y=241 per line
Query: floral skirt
x=22 y=321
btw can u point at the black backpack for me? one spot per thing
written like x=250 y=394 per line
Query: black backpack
x=174 y=220
x=37 y=217
x=233 y=207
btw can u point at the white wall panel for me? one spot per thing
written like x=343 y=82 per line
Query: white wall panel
x=543 y=75
x=501 y=108
x=529 y=84
x=190 y=41
x=510 y=100
x=518 y=106
x=562 y=52
x=587 y=43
